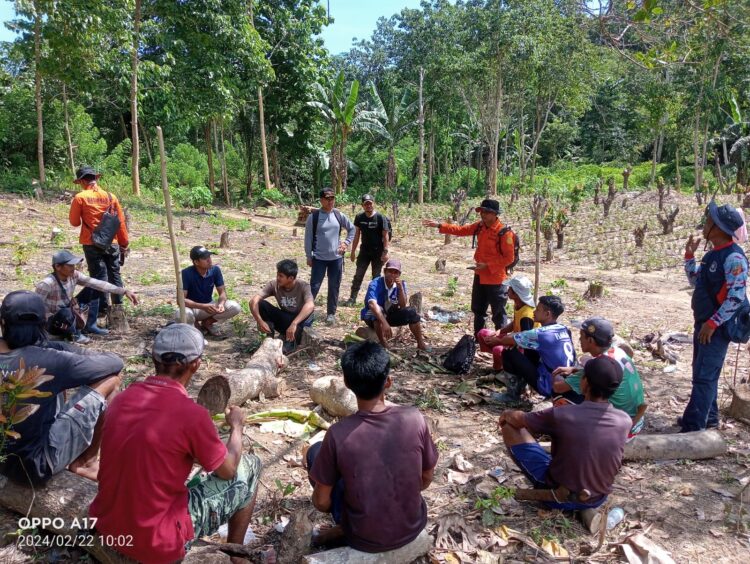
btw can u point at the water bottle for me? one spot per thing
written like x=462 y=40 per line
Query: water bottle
x=615 y=515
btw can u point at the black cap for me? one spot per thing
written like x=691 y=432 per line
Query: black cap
x=23 y=308
x=200 y=252
x=65 y=257
x=489 y=205
x=600 y=329
x=85 y=171
x=367 y=198
x=604 y=374
x=327 y=190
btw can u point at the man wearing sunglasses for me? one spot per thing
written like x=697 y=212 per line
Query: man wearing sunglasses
x=325 y=250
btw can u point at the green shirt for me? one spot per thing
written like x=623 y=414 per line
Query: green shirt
x=629 y=395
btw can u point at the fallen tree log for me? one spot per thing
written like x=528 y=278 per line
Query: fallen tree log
x=346 y=555
x=64 y=500
x=237 y=386
x=697 y=445
x=331 y=393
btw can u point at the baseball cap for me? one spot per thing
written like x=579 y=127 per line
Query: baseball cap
x=489 y=205
x=200 y=252
x=85 y=171
x=603 y=373
x=393 y=264
x=23 y=308
x=599 y=328
x=327 y=190
x=179 y=341
x=367 y=198
x=65 y=257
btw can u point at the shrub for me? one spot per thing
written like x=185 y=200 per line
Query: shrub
x=193 y=197
x=275 y=195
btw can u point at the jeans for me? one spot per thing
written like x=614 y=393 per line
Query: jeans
x=337 y=495
x=280 y=320
x=493 y=295
x=102 y=265
x=702 y=410
x=335 y=270
x=364 y=260
x=523 y=364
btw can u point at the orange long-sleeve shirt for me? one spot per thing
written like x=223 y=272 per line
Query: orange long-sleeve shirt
x=87 y=209
x=487 y=249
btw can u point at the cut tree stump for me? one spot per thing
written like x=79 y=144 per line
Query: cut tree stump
x=295 y=540
x=117 y=320
x=415 y=301
x=595 y=290
x=302 y=214
x=346 y=555
x=65 y=497
x=224 y=241
x=740 y=406
x=440 y=265
x=331 y=393
x=697 y=445
x=183 y=225
x=237 y=386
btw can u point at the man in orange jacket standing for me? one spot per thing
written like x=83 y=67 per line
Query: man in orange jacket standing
x=495 y=253
x=86 y=210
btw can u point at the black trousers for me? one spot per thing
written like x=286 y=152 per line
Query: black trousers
x=365 y=259
x=102 y=265
x=398 y=317
x=281 y=320
x=483 y=295
x=522 y=364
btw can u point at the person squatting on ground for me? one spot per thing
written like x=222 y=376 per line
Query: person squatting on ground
x=532 y=355
x=296 y=306
x=596 y=337
x=87 y=210
x=60 y=434
x=493 y=256
x=385 y=306
x=520 y=293
x=57 y=289
x=153 y=433
x=588 y=440
x=371 y=467
x=198 y=283
x=324 y=249
x=720 y=282
x=372 y=228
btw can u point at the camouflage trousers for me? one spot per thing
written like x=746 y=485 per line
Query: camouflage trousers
x=212 y=501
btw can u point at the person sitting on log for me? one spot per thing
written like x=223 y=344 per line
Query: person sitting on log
x=57 y=289
x=370 y=468
x=588 y=442
x=153 y=433
x=385 y=306
x=519 y=291
x=62 y=432
x=296 y=306
x=597 y=335
x=532 y=355
x=198 y=283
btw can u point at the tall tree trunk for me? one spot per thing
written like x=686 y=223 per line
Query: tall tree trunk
x=210 y=156
x=522 y=147
x=654 y=156
x=505 y=159
x=660 y=146
x=223 y=158
x=677 y=175
x=135 y=168
x=123 y=128
x=494 y=137
x=38 y=92
x=430 y=162
x=696 y=151
x=263 y=149
x=344 y=172
x=420 y=167
x=390 y=170
x=275 y=160
x=147 y=142
x=218 y=156
x=68 y=138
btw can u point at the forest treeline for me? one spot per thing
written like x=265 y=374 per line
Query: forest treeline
x=485 y=95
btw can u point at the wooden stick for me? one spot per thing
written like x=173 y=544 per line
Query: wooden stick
x=172 y=238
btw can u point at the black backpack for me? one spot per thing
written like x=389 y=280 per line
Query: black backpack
x=503 y=231
x=316 y=218
x=461 y=357
x=104 y=233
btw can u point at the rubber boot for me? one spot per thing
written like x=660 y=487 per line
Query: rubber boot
x=91 y=326
x=515 y=386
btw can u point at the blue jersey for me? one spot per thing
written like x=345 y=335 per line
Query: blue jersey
x=555 y=347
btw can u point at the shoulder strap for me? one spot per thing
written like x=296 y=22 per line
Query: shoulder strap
x=62 y=288
x=476 y=235
x=111 y=202
x=315 y=218
x=337 y=215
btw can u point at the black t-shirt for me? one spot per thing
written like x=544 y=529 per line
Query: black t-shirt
x=371 y=229
x=71 y=367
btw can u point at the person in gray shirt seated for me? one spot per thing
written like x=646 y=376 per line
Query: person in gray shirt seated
x=325 y=250
x=60 y=434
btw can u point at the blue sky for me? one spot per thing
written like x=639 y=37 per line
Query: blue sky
x=352 y=18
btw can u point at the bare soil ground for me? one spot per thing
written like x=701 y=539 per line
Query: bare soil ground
x=690 y=508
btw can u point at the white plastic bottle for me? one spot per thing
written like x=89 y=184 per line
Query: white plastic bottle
x=615 y=515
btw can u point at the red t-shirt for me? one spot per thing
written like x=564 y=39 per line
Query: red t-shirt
x=152 y=434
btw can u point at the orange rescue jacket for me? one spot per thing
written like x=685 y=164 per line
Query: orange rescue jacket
x=488 y=250
x=87 y=209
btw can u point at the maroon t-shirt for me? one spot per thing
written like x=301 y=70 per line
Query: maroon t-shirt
x=381 y=457
x=588 y=441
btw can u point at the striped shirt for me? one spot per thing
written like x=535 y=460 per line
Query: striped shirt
x=53 y=296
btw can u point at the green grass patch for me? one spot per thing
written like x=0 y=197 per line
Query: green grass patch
x=147 y=242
